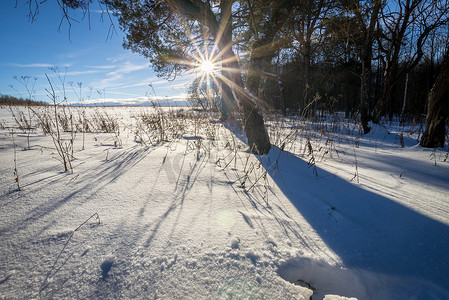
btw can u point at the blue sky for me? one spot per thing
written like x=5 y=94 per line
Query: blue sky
x=107 y=72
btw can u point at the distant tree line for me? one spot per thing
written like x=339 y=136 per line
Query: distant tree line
x=11 y=100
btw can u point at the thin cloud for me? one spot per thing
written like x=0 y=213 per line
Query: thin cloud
x=36 y=65
x=181 y=85
x=122 y=93
x=127 y=68
x=77 y=73
x=120 y=57
x=104 y=67
x=147 y=82
x=64 y=73
x=115 y=78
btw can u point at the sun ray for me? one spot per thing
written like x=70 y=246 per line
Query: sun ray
x=208 y=60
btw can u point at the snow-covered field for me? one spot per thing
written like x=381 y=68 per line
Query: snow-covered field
x=331 y=215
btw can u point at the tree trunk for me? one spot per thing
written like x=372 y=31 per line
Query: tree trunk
x=385 y=98
x=404 y=103
x=259 y=71
x=221 y=30
x=437 y=109
x=228 y=101
x=364 y=95
x=365 y=55
x=307 y=53
x=258 y=139
x=256 y=76
x=265 y=48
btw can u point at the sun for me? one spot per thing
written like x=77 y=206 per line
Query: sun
x=207 y=66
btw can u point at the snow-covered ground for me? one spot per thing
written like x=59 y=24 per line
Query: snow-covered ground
x=332 y=215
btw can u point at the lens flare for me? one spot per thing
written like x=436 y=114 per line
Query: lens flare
x=207 y=67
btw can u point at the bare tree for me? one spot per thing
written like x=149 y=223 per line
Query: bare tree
x=366 y=16
x=405 y=22
x=268 y=20
x=437 y=109
x=308 y=26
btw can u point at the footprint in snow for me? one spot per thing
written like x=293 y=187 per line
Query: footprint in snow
x=106 y=267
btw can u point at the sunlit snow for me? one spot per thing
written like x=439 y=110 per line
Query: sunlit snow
x=193 y=215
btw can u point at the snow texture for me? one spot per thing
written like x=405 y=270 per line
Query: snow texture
x=200 y=218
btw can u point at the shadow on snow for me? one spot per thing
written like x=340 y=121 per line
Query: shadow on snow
x=366 y=230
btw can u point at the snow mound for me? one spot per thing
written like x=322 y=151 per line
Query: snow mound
x=334 y=282
x=235 y=241
x=322 y=278
x=335 y=297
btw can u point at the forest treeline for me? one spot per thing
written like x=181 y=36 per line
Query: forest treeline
x=336 y=87
x=313 y=55
x=11 y=100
